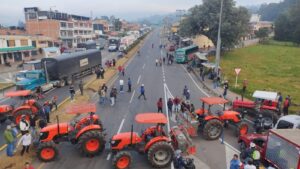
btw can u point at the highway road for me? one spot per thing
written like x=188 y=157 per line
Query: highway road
x=62 y=93
x=164 y=82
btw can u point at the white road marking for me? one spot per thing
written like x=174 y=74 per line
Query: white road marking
x=166 y=106
x=138 y=81
x=144 y=66
x=119 y=130
x=50 y=90
x=132 y=96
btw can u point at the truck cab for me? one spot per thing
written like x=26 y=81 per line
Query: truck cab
x=32 y=79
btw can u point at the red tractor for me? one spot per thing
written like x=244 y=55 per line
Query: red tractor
x=154 y=142
x=212 y=123
x=28 y=107
x=87 y=132
x=265 y=103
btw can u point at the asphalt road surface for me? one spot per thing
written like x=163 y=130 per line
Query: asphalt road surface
x=61 y=93
x=165 y=81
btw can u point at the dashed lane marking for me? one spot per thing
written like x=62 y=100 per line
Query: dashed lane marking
x=132 y=96
x=138 y=81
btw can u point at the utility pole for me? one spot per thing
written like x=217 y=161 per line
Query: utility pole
x=50 y=16
x=218 y=51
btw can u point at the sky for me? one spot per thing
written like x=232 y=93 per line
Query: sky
x=11 y=11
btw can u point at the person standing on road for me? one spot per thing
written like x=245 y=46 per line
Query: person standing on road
x=279 y=103
x=235 y=162
x=159 y=105
x=101 y=94
x=47 y=110
x=32 y=128
x=54 y=102
x=188 y=95
x=97 y=71
x=121 y=82
x=9 y=139
x=123 y=71
x=114 y=62
x=129 y=83
x=15 y=133
x=102 y=71
x=170 y=106
x=24 y=125
x=104 y=87
x=142 y=92
x=245 y=84
x=185 y=89
x=250 y=165
x=26 y=141
x=120 y=69
x=286 y=105
x=226 y=86
x=72 y=92
x=164 y=60
x=156 y=62
x=80 y=85
x=176 y=102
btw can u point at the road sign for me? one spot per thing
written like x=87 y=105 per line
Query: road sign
x=237 y=70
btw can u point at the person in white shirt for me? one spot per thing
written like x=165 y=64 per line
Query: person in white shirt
x=121 y=85
x=26 y=141
x=24 y=125
x=249 y=165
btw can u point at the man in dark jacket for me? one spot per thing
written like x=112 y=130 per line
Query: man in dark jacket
x=170 y=106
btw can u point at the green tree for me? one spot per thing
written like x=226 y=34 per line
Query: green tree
x=262 y=34
x=287 y=25
x=117 y=24
x=204 y=19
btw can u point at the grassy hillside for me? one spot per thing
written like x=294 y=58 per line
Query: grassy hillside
x=269 y=67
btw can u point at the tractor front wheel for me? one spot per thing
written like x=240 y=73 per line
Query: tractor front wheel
x=18 y=115
x=160 y=154
x=47 y=151
x=122 y=160
x=242 y=128
x=91 y=143
x=212 y=129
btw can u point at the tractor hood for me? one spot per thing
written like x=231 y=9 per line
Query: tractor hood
x=63 y=128
x=121 y=140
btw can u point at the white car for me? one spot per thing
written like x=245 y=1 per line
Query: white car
x=288 y=122
x=112 y=48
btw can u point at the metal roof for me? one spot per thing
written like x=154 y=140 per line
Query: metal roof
x=265 y=95
x=151 y=118
x=201 y=56
x=292 y=135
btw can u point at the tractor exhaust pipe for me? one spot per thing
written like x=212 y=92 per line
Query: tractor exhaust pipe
x=131 y=134
x=57 y=121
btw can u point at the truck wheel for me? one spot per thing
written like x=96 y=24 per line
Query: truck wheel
x=242 y=128
x=270 y=114
x=47 y=151
x=160 y=154
x=18 y=115
x=91 y=143
x=122 y=160
x=212 y=129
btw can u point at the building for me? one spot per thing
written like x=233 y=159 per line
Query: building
x=100 y=26
x=63 y=28
x=255 y=24
x=12 y=31
x=16 y=48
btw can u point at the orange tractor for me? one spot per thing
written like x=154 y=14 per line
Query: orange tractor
x=154 y=141
x=86 y=131
x=212 y=123
x=28 y=107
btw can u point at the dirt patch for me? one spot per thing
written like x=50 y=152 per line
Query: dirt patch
x=17 y=161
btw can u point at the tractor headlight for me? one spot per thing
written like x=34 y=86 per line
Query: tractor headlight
x=114 y=143
x=44 y=135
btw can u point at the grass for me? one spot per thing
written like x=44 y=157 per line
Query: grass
x=266 y=67
x=5 y=85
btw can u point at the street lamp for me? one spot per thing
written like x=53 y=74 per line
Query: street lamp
x=219 y=41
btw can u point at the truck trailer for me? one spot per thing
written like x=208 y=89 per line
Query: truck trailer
x=61 y=70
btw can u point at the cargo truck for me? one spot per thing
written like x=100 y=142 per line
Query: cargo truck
x=61 y=70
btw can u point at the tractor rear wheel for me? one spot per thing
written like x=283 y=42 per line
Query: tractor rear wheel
x=212 y=129
x=18 y=115
x=91 y=143
x=122 y=160
x=242 y=128
x=270 y=114
x=47 y=151
x=160 y=154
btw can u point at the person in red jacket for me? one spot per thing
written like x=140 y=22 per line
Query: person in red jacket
x=176 y=102
x=159 y=105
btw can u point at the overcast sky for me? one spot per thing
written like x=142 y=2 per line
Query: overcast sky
x=11 y=11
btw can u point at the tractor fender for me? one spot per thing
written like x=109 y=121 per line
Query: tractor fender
x=207 y=118
x=87 y=128
x=155 y=140
x=21 y=108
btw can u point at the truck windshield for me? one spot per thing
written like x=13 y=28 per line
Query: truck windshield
x=180 y=54
x=32 y=75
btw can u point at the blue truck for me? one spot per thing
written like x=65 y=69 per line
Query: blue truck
x=61 y=70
